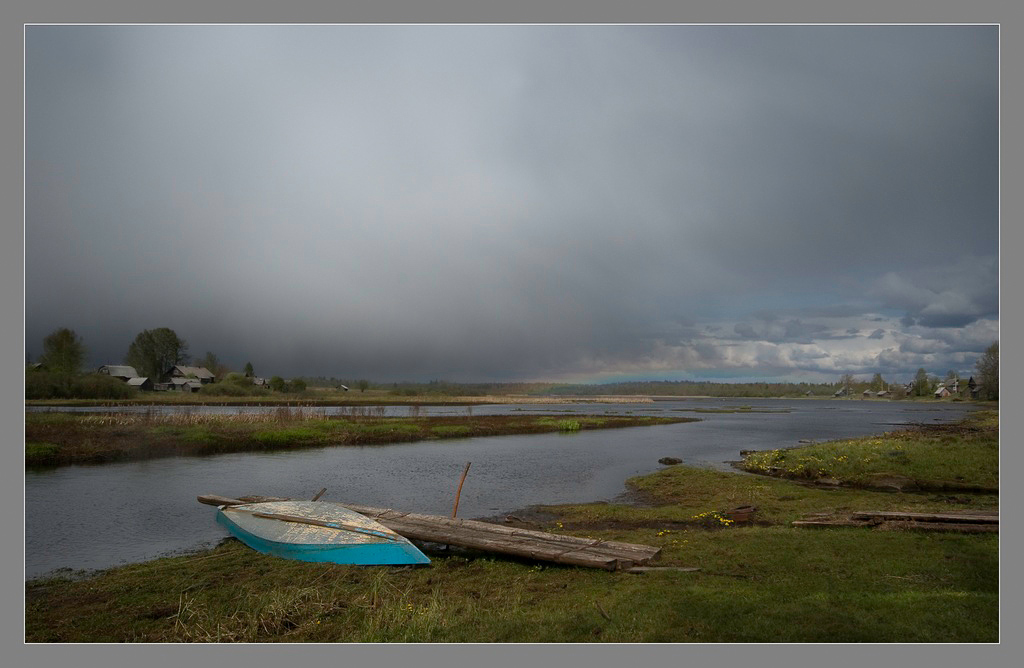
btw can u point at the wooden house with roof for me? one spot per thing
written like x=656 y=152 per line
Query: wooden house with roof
x=122 y=371
x=949 y=388
x=141 y=383
x=200 y=373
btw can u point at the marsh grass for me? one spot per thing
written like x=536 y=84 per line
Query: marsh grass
x=936 y=457
x=117 y=436
x=755 y=584
x=451 y=431
x=41 y=451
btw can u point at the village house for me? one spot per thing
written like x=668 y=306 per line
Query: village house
x=141 y=383
x=974 y=388
x=185 y=384
x=950 y=388
x=126 y=373
x=122 y=371
x=199 y=373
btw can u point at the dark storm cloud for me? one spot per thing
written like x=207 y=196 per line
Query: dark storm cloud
x=795 y=331
x=476 y=202
x=954 y=295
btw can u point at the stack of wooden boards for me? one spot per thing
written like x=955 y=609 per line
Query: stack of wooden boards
x=540 y=545
x=973 y=522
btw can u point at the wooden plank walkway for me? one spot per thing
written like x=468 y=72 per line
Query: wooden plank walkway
x=485 y=536
x=973 y=522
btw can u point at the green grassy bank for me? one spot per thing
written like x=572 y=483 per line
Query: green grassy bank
x=962 y=456
x=761 y=581
x=66 y=438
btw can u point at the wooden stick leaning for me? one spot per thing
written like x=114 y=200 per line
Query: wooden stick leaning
x=458 y=492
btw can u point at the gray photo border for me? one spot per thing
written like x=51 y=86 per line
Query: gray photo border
x=22 y=12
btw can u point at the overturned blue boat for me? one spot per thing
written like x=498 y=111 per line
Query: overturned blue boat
x=317 y=531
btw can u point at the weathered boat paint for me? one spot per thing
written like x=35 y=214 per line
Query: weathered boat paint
x=331 y=533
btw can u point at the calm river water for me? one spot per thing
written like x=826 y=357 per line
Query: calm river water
x=91 y=517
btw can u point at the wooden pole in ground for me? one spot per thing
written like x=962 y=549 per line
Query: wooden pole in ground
x=458 y=492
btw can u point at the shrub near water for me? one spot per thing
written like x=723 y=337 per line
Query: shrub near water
x=45 y=385
x=233 y=385
x=568 y=425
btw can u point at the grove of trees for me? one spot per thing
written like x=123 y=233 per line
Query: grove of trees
x=154 y=351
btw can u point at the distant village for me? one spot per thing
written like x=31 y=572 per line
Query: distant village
x=182 y=378
x=951 y=387
x=178 y=378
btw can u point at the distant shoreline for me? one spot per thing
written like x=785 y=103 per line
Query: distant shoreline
x=483 y=400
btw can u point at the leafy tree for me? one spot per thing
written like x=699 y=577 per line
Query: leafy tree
x=988 y=372
x=155 y=351
x=63 y=353
x=297 y=385
x=846 y=383
x=277 y=384
x=877 y=382
x=922 y=384
x=212 y=363
x=249 y=373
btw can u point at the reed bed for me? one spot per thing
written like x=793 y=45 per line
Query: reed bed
x=186 y=418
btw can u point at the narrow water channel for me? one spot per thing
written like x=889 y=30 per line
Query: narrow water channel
x=90 y=517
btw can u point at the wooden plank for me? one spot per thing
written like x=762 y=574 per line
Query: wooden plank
x=941 y=526
x=582 y=555
x=902 y=524
x=387 y=513
x=624 y=550
x=416 y=521
x=215 y=500
x=972 y=518
x=519 y=542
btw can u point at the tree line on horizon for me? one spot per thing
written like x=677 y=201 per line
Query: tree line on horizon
x=152 y=352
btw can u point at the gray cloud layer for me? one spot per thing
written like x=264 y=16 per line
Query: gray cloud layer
x=475 y=202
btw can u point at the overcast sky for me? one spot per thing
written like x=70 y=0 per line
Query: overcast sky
x=578 y=203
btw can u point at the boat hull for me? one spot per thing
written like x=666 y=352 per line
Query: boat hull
x=317 y=532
